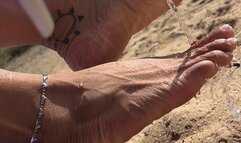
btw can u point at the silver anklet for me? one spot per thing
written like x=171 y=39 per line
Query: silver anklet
x=41 y=109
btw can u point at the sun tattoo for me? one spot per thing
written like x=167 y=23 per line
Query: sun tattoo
x=60 y=39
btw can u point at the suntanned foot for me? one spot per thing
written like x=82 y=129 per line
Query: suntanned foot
x=103 y=30
x=111 y=103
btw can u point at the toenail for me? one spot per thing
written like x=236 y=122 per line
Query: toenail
x=225 y=27
x=221 y=40
x=232 y=41
x=216 y=65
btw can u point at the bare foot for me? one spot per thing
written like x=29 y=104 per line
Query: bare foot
x=111 y=103
x=89 y=33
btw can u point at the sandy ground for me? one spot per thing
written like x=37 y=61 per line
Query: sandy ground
x=215 y=115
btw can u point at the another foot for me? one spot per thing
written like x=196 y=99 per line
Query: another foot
x=111 y=103
x=89 y=33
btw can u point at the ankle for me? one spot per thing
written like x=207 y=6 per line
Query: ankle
x=59 y=114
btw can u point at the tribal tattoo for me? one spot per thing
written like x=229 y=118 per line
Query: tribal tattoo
x=66 y=35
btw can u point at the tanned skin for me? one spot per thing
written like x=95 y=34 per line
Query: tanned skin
x=89 y=33
x=108 y=103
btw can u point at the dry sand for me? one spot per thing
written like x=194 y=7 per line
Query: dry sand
x=214 y=116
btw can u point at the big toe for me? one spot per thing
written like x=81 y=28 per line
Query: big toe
x=192 y=79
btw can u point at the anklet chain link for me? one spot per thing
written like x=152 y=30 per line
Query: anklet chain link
x=43 y=99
